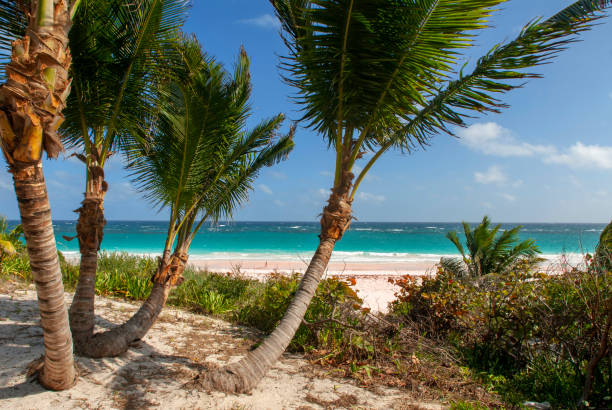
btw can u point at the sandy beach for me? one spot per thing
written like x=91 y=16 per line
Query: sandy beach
x=372 y=278
x=155 y=373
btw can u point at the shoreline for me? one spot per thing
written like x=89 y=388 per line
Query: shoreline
x=372 y=279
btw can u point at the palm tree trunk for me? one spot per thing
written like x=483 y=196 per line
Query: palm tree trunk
x=58 y=371
x=90 y=232
x=243 y=376
x=31 y=103
x=117 y=340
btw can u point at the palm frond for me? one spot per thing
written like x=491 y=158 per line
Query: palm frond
x=199 y=157
x=359 y=62
x=13 y=24
x=502 y=69
x=120 y=50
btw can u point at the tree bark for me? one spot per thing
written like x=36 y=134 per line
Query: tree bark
x=58 y=371
x=243 y=376
x=31 y=103
x=117 y=340
x=90 y=232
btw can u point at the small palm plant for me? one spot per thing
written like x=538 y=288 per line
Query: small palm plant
x=200 y=162
x=488 y=251
x=10 y=242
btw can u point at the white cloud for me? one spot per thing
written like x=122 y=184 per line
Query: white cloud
x=508 y=197
x=366 y=196
x=517 y=184
x=324 y=193
x=278 y=202
x=266 y=189
x=492 y=139
x=584 y=156
x=263 y=21
x=493 y=175
x=326 y=173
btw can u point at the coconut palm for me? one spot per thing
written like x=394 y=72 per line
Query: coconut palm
x=31 y=102
x=119 y=50
x=489 y=251
x=380 y=75
x=200 y=163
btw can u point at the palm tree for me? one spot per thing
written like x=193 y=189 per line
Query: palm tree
x=488 y=251
x=376 y=75
x=119 y=50
x=200 y=163
x=31 y=102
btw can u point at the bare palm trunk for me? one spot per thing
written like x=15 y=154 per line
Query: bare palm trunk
x=242 y=376
x=90 y=232
x=117 y=340
x=31 y=103
x=57 y=372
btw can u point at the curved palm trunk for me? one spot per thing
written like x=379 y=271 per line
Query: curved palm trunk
x=31 y=103
x=243 y=376
x=117 y=340
x=57 y=372
x=90 y=232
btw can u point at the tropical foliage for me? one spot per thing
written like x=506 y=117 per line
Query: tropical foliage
x=10 y=241
x=201 y=161
x=121 y=51
x=198 y=160
x=487 y=250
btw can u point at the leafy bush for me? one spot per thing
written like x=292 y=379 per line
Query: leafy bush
x=531 y=335
x=326 y=321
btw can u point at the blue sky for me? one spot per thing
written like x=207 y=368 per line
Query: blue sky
x=548 y=158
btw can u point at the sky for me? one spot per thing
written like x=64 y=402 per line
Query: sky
x=547 y=158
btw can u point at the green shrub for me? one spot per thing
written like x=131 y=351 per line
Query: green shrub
x=527 y=335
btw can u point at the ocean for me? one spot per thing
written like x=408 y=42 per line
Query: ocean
x=364 y=242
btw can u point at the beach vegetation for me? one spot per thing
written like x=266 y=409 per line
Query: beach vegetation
x=35 y=84
x=488 y=250
x=379 y=76
x=10 y=241
x=528 y=335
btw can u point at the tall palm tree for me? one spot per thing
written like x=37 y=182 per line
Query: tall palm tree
x=376 y=75
x=119 y=50
x=31 y=102
x=488 y=251
x=200 y=163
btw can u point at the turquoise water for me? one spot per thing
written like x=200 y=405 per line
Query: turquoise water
x=365 y=241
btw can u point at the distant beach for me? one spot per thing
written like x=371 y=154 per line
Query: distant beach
x=370 y=252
